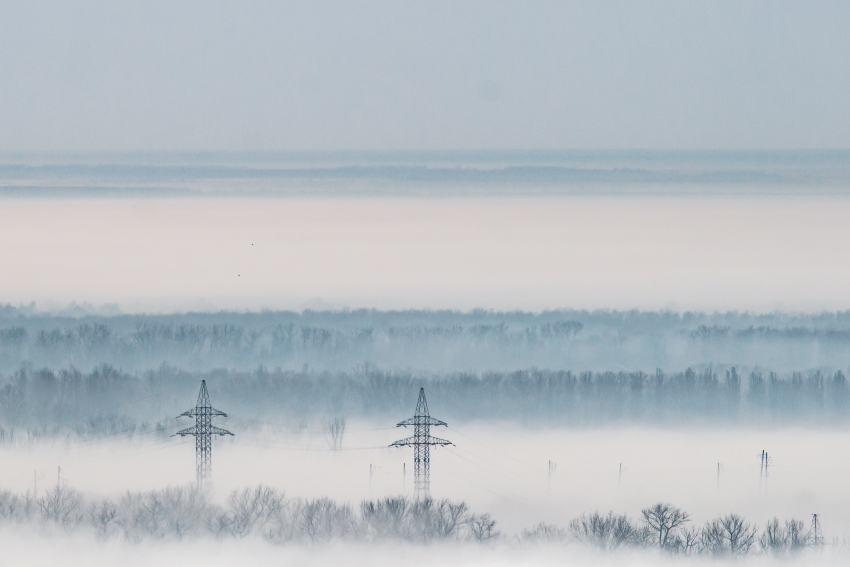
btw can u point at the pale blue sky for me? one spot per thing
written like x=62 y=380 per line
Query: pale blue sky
x=423 y=75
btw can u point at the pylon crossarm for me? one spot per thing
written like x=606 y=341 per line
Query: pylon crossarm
x=409 y=441
x=219 y=431
x=421 y=420
x=189 y=413
x=214 y=411
x=184 y=432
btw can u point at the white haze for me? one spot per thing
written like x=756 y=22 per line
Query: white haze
x=495 y=466
x=697 y=252
x=79 y=550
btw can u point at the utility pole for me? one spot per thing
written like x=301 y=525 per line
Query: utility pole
x=421 y=442
x=817 y=535
x=620 y=476
x=719 y=468
x=552 y=468
x=766 y=462
x=203 y=432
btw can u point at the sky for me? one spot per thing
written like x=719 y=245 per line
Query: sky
x=192 y=75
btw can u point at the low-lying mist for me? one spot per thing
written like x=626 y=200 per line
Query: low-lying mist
x=741 y=424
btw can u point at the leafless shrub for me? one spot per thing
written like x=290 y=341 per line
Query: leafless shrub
x=687 y=542
x=162 y=514
x=252 y=509
x=729 y=535
x=62 y=505
x=17 y=507
x=102 y=518
x=282 y=525
x=607 y=533
x=437 y=520
x=664 y=519
x=322 y=519
x=781 y=541
x=482 y=527
x=421 y=521
x=334 y=431
x=386 y=518
x=543 y=533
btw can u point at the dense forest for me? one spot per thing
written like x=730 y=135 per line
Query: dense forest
x=107 y=401
x=81 y=374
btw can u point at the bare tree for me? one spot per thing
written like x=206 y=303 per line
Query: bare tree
x=252 y=508
x=687 y=543
x=387 y=518
x=449 y=517
x=323 y=519
x=783 y=540
x=62 y=505
x=543 y=533
x=798 y=536
x=774 y=538
x=334 y=431
x=664 y=519
x=482 y=527
x=17 y=507
x=282 y=525
x=607 y=533
x=102 y=518
x=729 y=535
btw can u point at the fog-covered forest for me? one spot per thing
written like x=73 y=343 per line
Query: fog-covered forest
x=425 y=341
x=90 y=375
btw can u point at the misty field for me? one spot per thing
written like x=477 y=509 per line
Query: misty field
x=496 y=467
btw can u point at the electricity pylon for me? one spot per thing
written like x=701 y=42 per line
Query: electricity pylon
x=816 y=534
x=203 y=432
x=421 y=442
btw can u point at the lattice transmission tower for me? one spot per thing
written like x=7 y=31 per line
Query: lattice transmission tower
x=203 y=432
x=816 y=535
x=421 y=442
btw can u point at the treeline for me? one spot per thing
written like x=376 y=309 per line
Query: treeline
x=179 y=513
x=176 y=513
x=667 y=528
x=424 y=341
x=107 y=401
